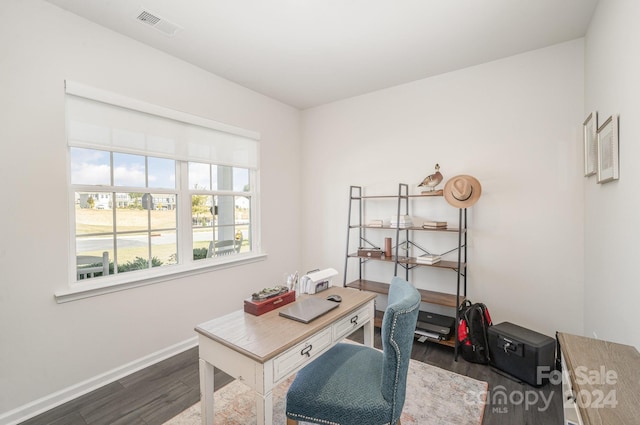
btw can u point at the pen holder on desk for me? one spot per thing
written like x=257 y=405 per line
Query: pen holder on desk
x=291 y=281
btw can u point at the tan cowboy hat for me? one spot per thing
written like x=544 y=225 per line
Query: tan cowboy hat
x=462 y=191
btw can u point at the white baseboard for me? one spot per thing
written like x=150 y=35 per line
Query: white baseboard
x=50 y=401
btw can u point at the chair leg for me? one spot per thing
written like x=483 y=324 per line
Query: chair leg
x=291 y=421
x=398 y=422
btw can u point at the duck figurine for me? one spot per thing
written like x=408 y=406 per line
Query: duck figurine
x=432 y=180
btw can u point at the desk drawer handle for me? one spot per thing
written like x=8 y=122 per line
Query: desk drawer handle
x=306 y=351
x=354 y=320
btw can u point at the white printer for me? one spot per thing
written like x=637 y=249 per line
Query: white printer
x=317 y=281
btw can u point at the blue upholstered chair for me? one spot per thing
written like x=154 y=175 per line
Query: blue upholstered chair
x=357 y=385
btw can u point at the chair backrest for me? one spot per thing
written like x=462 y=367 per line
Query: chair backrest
x=225 y=247
x=398 y=328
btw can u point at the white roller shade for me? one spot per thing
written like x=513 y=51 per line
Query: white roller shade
x=101 y=120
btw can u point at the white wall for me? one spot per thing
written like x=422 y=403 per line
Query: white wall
x=612 y=84
x=44 y=346
x=537 y=232
x=515 y=124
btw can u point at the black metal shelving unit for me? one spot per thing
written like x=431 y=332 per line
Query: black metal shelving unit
x=355 y=223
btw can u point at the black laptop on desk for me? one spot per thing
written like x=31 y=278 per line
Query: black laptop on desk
x=308 y=309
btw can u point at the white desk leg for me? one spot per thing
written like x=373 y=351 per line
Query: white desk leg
x=368 y=327
x=264 y=408
x=206 y=392
x=368 y=333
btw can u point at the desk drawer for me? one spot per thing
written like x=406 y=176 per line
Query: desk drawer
x=298 y=355
x=350 y=323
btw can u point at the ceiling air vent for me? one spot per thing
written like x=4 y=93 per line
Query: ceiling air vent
x=157 y=22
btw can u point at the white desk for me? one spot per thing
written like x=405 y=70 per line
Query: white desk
x=261 y=351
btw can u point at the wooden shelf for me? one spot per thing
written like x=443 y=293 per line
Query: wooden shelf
x=375 y=197
x=442 y=264
x=377 y=322
x=436 y=195
x=422 y=229
x=412 y=261
x=432 y=297
x=391 y=259
x=419 y=228
x=448 y=342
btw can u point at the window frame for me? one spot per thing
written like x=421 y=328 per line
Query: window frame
x=186 y=266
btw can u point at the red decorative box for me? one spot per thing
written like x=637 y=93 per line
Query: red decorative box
x=260 y=307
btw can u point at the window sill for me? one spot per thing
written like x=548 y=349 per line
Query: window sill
x=81 y=290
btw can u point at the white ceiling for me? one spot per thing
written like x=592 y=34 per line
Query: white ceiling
x=309 y=52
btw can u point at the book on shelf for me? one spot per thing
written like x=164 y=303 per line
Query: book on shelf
x=428 y=259
x=402 y=222
x=434 y=225
x=375 y=223
x=428 y=263
x=401 y=225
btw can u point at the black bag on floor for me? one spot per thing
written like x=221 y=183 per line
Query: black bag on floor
x=474 y=321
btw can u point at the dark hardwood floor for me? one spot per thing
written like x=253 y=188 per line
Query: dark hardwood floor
x=158 y=393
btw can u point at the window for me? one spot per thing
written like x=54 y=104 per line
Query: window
x=140 y=175
x=116 y=212
x=221 y=209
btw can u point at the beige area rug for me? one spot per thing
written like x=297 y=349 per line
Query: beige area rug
x=434 y=396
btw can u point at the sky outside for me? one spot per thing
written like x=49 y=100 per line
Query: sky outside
x=92 y=167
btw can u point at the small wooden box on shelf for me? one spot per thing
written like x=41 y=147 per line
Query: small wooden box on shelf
x=370 y=252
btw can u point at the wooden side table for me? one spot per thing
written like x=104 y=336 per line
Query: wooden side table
x=600 y=381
